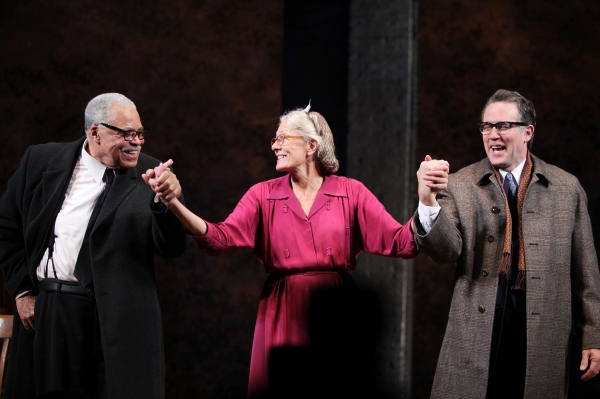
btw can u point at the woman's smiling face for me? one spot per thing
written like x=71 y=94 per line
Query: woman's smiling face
x=293 y=152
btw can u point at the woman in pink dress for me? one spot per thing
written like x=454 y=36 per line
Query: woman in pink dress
x=306 y=227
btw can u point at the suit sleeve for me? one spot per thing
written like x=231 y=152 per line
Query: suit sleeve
x=443 y=243
x=170 y=238
x=380 y=233
x=13 y=260
x=585 y=278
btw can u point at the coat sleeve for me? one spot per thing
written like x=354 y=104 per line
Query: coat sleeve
x=443 y=243
x=238 y=230
x=380 y=233
x=170 y=238
x=13 y=259
x=585 y=278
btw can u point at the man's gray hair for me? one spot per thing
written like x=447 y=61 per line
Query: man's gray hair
x=524 y=106
x=98 y=109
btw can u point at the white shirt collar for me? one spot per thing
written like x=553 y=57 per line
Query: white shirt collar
x=516 y=172
x=93 y=166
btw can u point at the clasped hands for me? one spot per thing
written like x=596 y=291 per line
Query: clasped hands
x=433 y=178
x=163 y=182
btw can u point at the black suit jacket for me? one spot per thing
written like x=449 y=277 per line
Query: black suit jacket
x=129 y=231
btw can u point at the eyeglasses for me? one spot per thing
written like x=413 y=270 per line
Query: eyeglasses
x=501 y=127
x=281 y=139
x=128 y=135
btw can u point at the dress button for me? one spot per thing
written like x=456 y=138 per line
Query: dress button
x=491 y=238
x=484 y=273
x=481 y=309
x=495 y=209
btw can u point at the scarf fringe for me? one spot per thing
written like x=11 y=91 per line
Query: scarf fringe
x=504 y=266
x=520 y=281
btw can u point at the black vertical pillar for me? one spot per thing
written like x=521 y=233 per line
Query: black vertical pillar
x=381 y=154
x=315 y=63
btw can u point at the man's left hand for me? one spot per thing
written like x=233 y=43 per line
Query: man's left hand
x=590 y=361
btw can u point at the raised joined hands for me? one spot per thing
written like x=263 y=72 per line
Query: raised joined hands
x=433 y=178
x=163 y=182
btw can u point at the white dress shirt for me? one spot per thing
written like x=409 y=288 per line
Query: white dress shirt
x=84 y=189
x=428 y=214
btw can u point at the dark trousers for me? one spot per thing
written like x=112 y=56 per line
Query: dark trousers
x=66 y=350
x=508 y=361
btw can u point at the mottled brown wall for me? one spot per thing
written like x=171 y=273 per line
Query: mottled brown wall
x=205 y=76
x=546 y=50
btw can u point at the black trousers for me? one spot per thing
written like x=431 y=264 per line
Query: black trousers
x=65 y=351
x=508 y=362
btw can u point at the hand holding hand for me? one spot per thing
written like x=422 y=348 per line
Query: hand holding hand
x=167 y=187
x=590 y=361
x=25 y=308
x=163 y=182
x=152 y=175
x=432 y=177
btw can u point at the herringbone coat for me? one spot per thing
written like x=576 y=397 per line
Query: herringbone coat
x=563 y=282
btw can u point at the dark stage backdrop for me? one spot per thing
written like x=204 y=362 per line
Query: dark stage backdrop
x=206 y=77
x=544 y=49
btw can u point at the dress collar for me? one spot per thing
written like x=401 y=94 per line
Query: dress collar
x=283 y=188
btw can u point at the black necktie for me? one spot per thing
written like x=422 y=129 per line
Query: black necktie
x=83 y=266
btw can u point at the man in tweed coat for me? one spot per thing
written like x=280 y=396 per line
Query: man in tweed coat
x=527 y=271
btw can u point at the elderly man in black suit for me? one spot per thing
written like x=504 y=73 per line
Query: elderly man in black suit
x=79 y=229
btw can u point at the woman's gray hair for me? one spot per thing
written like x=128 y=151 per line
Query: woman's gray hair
x=313 y=126
x=98 y=109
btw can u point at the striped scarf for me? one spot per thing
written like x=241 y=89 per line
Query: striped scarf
x=504 y=270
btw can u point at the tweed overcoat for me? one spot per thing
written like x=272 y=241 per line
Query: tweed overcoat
x=563 y=282
x=126 y=236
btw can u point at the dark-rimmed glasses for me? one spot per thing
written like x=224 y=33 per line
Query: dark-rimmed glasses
x=128 y=135
x=282 y=138
x=501 y=127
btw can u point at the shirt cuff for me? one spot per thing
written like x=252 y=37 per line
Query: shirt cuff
x=22 y=294
x=428 y=215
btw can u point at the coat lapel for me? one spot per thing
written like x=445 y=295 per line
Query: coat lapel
x=123 y=184
x=54 y=183
x=59 y=172
x=540 y=173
